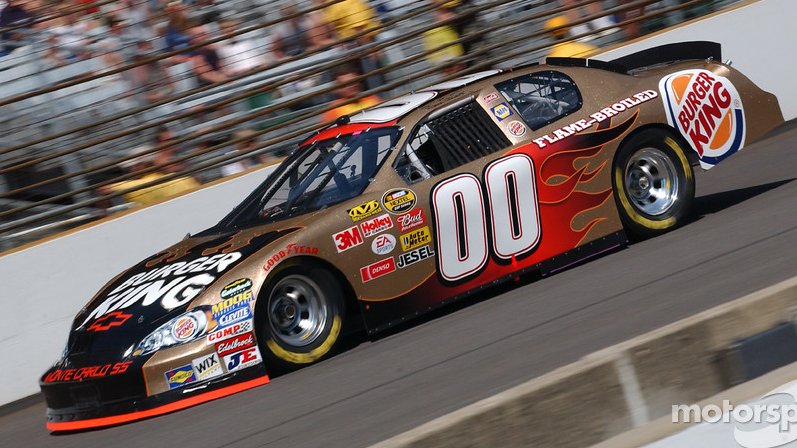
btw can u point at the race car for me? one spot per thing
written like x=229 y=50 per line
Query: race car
x=404 y=207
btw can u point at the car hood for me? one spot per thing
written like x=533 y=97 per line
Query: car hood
x=162 y=286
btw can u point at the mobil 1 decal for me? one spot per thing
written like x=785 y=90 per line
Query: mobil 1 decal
x=496 y=216
x=707 y=109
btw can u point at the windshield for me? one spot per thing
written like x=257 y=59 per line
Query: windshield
x=321 y=174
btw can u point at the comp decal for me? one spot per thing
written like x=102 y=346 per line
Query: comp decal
x=708 y=111
x=181 y=376
x=207 y=367
x=230 y=331
x=364 y=210
x=595 y=118
x=399 y=200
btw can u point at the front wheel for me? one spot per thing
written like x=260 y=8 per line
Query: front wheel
x=302 y=317
x=653 y=182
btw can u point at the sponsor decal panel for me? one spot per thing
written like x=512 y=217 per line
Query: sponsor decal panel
x=236 y=287
x=228 y=332
x=185 y=328
x=596 y=118
x=516 y=128
x=242 y=359
x=415 y=256
x=399 y=201
x=383 y=244
x=180 y=376
x=708 y=111
x=411 y=220
x=235 y=344
x=501 y=111
x=207 y=367
x=290 y=249
x=376 y=225
x=490 y=97
x=110 y=320
x=92 y=372
x=378 y=269
x=225 y=305
x=346 y=239
x=364 y=210
x=416 y=238
x=234 y=315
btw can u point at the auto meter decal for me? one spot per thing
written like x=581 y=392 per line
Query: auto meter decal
x=416 y=238
x=180 y=376
x=364 y=210
x=399 y=200
x=236 y=287
x=708 y=111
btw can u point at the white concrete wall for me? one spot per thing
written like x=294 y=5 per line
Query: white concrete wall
x=44 y=286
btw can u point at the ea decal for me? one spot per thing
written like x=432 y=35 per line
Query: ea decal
x=516 y=128
x=238 y=286
x=364 y=210
x=501 y=111
x=707 y=109
x=383 y=244
x=399 y=201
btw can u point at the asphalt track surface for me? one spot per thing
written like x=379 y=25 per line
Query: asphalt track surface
x=743 y=239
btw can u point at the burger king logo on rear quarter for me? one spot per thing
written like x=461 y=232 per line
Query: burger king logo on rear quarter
x=708 y=111
x=399 y=200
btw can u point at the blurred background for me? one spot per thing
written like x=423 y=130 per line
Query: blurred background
x=109 y=104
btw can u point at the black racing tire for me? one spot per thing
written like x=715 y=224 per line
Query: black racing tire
x=653 y=181
x=295 y=294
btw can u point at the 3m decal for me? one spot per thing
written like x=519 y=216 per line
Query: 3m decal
x=501 y=111
x=490 y=97
x=347 y=239
x=399 y=201
x=235 y=315
x=170 y=285
x=110 y=320
x=416 y=238
x=383 y=244
x=290 y=249
x=595 y=118
x=207 y=367
x=460 y=217
x=79 y=374
x=185 y=328
x=365 y=210
x=180 y=376
x=411 y=220
x=236 y=287
x=707 y=109
x=376 y=225
x=232 y=330
x=378 y=269
x=235 y=344
x=516 y=128
x=242 y=359
x=234 y=301
x=414 y=256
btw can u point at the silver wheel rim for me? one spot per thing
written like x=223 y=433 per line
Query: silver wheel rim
x=297 y=311
x=651 y=181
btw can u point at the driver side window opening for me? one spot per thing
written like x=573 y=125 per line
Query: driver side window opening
x=541 y=97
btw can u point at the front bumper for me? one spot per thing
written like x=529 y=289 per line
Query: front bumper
x=112 y=400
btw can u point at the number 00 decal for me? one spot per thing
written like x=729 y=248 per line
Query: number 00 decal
x=460 y=224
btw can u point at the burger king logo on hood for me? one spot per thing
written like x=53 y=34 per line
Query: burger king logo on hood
x=707 y=109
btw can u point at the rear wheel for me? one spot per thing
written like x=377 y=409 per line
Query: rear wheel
x=301 y=319
x=654 y=185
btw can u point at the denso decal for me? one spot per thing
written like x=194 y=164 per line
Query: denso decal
x=347 y=239
x=595 y=118
x=171 y=285
x=236 y=287
x=227 y=304
x=365 y=210
x=82 y=373
x=378 y=269
x=242 y=359
x=707 y=110
x=411 y=220
x=185 y=328
x=501 y=111
x=207 y=367
x=415 y=239
x=180 y=376
x=383 y=244
x=110 y=320
x=228 y=332
x=399 y=201
x=376 y=225
x=235 y=344
x=290 y=249
x=235 y=315
x=415 y=256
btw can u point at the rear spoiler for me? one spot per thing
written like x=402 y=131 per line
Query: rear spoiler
x=662 y=54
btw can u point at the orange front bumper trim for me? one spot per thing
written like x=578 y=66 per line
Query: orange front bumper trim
x=160 y=410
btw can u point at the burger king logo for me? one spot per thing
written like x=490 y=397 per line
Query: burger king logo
x=707 y=109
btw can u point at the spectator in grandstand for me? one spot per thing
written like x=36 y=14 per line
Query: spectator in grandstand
x=14 y=14
x=205 y=61
x=370 y=62
x=445 y=34
x=176 y=31
x=135 y=16
x=349 y=16
x=290 y=36
x=319 y=31
x=239 y=54
x=558 y=29
x=151 y=81
x=348 y=87
x=243 y=147
x=590 y=9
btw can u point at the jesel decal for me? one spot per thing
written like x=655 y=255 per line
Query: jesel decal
x=708 y=111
